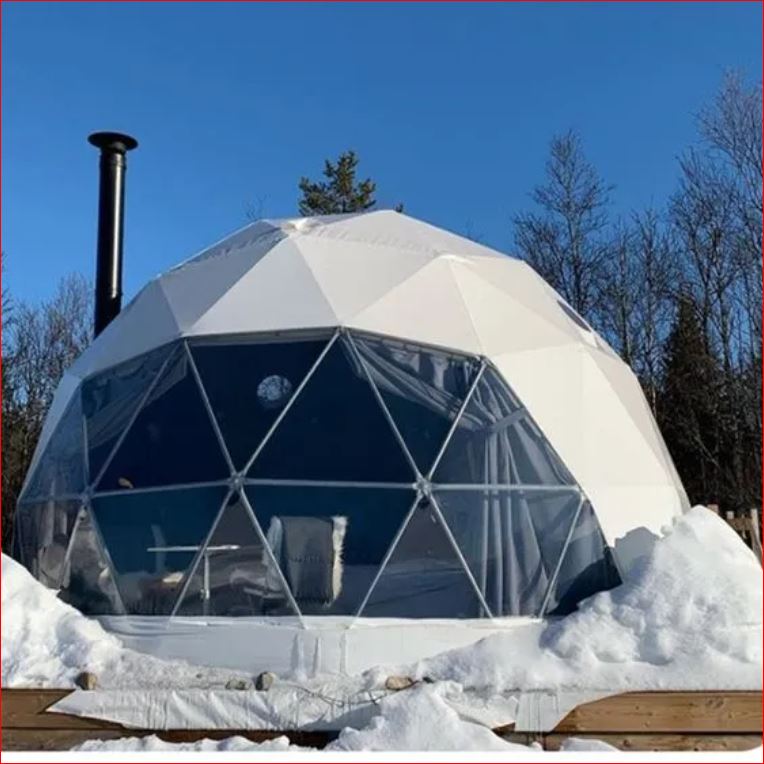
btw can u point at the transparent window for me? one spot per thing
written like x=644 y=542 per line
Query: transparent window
x=61 y=468
x=152 y=538
x=496 y=443
x=172 y=440
x=87 y=583
x=335 y=430
x=43 y=532
x=236 y=575
x=587 y=566
x=422 y=389
x=424 y=577
x=110 y=399
x=329 y=541
x=512 y=542
x=249 y=385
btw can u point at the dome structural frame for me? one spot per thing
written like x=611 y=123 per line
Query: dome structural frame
x=387 y=278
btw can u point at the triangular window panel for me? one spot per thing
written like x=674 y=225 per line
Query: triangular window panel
x=172 y=440
x=236 y=575
x=110 y=399
x=88 y=583
x=512 y=541
x=43 y=533
x=329 y=541
x=424 y=577
x=335 y=430
x=587 y=566
x=423 y=390
x=248 y=386
x=496 y=443
x=61 y=468
x=152 y=537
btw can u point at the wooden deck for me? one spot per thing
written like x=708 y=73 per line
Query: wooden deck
x=639 y=721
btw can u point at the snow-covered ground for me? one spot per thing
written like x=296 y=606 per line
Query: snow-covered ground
x=689 y=616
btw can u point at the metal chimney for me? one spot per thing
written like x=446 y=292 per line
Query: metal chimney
x=111 y=204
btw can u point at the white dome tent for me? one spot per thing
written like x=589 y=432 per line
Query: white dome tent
x=332 y=423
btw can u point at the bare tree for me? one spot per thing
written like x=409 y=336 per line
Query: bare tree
x=566 y=240
x=39 y=343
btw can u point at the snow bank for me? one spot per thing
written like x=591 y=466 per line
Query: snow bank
x=153 y=743
x=419 y=719
x=689 y=616
x=45 y=642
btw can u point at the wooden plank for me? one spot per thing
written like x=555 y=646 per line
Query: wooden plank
x=25 y=709
x=668 y=712
x=42 y=739
x=52 y=740
x=652 y=742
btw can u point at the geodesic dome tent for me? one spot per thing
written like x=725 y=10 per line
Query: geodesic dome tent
x=356 y=416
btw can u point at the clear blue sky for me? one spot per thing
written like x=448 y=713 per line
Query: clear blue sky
x=450 y=108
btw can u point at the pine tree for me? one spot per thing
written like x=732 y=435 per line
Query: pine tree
x=340 y=192
x=689 y=405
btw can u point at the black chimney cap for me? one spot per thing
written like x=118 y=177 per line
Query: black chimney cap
x=114 y=141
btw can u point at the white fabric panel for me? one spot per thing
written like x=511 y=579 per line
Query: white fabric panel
x=146 y=323
x=427 y=308
x=503 y=324
x=520 y=282
x=352 y=278
x=194 y=287
x=629 y=392
x=581 y=415
x=279 y=292
x=394 y=229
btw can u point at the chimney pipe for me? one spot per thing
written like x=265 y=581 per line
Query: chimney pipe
x=111 y=204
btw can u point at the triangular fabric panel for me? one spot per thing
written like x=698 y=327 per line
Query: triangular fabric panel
x=512 y=541
x=172 y=440
x=278 y=293
x=88 y=583
x=110 y=399
x=236 y=575
x=194 y=287
x=249 y=384
x=335 y=430
x=351 y=282
x=587 y=566
x=43 y=532
x=143 y=325
x=413 y=310
x=152 y=538
x=495 y=442
x=423 y=389
x=61 y=468
x=329 y=541
x=502 y=322
x=424 y=577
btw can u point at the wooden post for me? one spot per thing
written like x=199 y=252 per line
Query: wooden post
x=753 y=526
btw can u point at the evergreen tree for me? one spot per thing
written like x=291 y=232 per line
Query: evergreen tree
x=689 y=405
x=340 y=192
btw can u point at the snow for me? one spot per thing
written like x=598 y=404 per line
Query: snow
x=585 y=744
x=45 y=642
x=419 y=719
x=153 y=743
x=688 y=617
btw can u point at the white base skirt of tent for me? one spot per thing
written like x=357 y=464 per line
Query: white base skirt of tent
x=321 y=645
